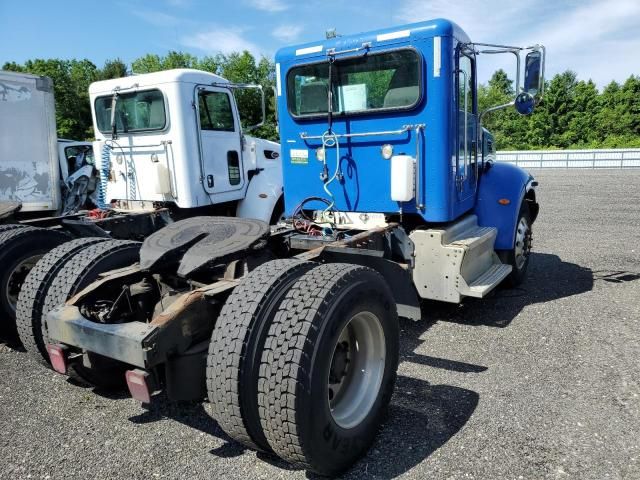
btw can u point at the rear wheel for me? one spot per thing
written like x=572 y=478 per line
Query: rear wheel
x=518 y=257
x=79 y=271
x=30 y=307
x=328 y=367
x=236 y=348
x=20 y=250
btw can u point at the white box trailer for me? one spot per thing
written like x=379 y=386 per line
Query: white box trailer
x=29 y=166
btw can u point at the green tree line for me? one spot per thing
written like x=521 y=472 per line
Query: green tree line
x=573 y=113
x=71 y=80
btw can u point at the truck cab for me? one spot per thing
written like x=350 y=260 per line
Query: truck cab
x=385 y=126
x=175 y=138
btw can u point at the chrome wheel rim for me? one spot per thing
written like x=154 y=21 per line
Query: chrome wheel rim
x=523 y=243
x=356 y=371
x=16 y=279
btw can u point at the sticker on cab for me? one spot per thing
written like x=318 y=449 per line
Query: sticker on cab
x=299 y=156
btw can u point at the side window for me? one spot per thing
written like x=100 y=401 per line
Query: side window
x=465 y=85
x=215 y=111
x=233 y=165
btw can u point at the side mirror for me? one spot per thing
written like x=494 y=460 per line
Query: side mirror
x=534 y=73
x=524 y=103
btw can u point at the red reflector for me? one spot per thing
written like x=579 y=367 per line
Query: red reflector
x=138 y=383
x=58 y=357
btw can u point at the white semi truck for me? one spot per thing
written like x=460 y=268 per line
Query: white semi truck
x=168 y=145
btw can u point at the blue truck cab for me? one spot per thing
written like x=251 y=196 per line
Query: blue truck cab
x=386 y=123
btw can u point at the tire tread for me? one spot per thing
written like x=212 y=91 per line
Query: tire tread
x=229 y=345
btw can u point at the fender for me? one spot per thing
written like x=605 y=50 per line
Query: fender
x=265 y=184
x=504 y=181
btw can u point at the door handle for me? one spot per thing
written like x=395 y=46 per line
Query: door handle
x=210 y=181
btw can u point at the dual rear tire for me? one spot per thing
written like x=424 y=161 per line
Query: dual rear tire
x=308 y=375
x=57 y=277
x=21 y=247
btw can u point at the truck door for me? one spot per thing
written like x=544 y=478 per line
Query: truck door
x=221 y=144
x=467 y=150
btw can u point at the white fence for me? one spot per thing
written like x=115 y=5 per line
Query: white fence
x=615 y=158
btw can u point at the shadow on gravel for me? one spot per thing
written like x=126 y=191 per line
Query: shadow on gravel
x=616 y=276
x=422 y=418
x=10 y=341
x=548 y=278
x=191 y=414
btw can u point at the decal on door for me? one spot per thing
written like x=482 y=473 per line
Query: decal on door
x=299 y=156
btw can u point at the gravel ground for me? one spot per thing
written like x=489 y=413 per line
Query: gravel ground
x=537 y=382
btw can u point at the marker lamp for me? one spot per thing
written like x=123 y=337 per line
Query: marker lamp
x=387 y=151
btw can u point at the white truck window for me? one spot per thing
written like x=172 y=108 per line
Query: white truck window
x=215 y=111
x=135 y=111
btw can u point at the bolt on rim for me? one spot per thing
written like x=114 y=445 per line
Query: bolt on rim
x=523 y=243
x=357 y=367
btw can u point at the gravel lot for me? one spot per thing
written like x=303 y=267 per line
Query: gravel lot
x=537 y=382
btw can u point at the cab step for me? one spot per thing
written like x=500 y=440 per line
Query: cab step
x=457 y=261
x=486 y=282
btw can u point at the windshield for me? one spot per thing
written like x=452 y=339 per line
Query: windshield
x=135 y=111
x=389 y=80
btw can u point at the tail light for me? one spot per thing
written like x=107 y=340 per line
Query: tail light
x=58 y=356
x=139 y=383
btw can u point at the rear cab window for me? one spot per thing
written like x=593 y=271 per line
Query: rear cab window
x=368 y=83
x=135 y=112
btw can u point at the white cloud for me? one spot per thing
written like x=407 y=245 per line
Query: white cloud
x=598 y=40
x=269 y=5
x=287 y=33
x=222 y=40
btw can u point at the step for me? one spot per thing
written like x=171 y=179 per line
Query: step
x=487 y=281
x=474 y=237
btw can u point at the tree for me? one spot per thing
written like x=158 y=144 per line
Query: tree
x=573 y=114
x=115 y=68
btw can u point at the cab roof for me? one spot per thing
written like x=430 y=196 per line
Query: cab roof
x=438 y=27
x=183 y=75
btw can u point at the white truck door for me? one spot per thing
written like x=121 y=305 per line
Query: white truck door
x=220 y=134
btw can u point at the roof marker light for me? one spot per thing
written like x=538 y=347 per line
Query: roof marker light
x=393 y=35
x=306 y=51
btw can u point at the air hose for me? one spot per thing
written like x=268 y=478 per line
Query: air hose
x=104 y=176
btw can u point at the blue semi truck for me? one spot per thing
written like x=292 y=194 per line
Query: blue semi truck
x=291 y=332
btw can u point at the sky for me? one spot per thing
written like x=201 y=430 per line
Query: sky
x=599 y=39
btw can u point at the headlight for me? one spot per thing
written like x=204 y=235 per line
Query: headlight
x=387 y=151
x=320 y=154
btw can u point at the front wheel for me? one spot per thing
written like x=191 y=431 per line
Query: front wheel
x=328 y=367
x=518 y=257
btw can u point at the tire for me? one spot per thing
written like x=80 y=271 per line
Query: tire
x=79 y=271
x=10 y=226
x=20 y=249
x=307 y=356
x=32 y=330
x=236 y=346
x=518 y=257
